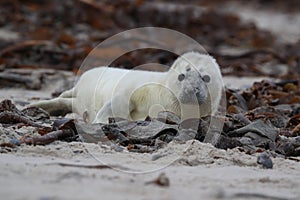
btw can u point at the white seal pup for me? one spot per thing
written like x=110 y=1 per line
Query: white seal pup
x=191 y=88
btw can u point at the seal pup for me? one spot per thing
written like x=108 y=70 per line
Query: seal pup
x=191 y=88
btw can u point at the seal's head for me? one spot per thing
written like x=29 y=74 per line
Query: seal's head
x=188 y=79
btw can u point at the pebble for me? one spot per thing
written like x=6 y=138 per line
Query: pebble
x=265 y=160
x=15 y=142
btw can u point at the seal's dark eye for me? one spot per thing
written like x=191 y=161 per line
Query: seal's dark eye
x=188 y=69
x=181 y=77
x=206 y=78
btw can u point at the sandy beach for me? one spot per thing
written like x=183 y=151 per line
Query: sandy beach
x=199 y=171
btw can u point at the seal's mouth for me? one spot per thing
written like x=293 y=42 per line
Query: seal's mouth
x=201 y=98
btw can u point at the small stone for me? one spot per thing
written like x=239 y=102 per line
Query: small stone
x=158 y=156
x=161 y=180
x=15 y=142
x=265 y=160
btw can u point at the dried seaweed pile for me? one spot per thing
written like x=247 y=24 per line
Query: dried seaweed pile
x=59 y=34
x=263 y=117
x=13 y=121
x=266 y=116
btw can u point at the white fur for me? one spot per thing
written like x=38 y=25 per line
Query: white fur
x=132 y=94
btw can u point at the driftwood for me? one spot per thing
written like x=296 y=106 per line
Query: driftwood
x=90 y=166
x=9 y=117
x=48 y=138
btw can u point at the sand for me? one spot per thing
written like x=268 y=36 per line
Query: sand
x=195 y=171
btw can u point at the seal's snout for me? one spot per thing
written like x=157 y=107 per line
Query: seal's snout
x=201 y=94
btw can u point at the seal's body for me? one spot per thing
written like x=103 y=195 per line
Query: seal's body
x=191 y=88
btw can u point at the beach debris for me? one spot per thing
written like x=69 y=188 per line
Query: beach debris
x=48 y=131
x=32 y=81
x=9 y=114
x=48 y=138
x=36 y=79
x=270 y=126
x=254 y=195
x=258 y=131
x=91 y=166
x=63 y=129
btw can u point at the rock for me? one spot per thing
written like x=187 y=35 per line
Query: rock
x=260 y=128
x=15 y=142
x=256 y=139
x=227 y=143
x=296 y=141
x=168 y=117
x=285 y=148
x=185 y=135
x=265 y=160
x=297 y=151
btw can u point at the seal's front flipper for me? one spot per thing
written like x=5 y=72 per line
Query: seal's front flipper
x=119 y=106
x=55 y=107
